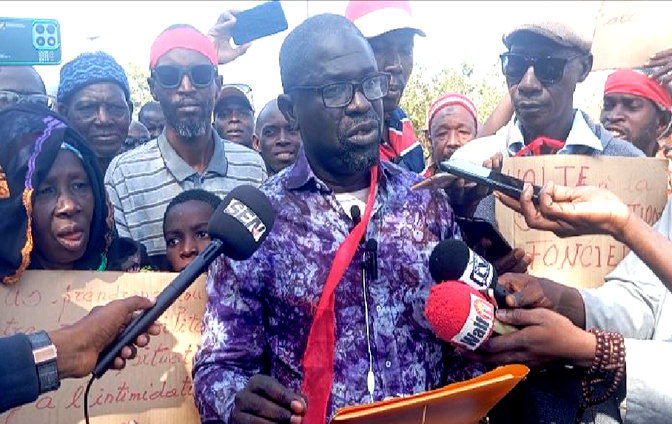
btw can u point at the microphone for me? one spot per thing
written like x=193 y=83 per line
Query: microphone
x=240 y=224
x=462 y=316
x=371 y=263
x=356 y=215
x=454 y=260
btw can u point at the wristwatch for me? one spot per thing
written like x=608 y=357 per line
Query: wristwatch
x=44 y=354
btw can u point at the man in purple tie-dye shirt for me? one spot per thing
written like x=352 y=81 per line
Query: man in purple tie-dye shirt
x=260 y=311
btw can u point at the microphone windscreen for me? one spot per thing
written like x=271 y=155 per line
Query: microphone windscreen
x=448 y=260
x=242 y=222
x=459 y=314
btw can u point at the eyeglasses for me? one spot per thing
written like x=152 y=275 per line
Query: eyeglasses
x=132 y=142
x=9 y=98
x=547 y=69
x=340 y=94
x=170 y=76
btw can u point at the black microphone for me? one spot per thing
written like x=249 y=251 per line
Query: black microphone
x=356 y=215
x=371 y=264
x=453 y=260
x=237 y=228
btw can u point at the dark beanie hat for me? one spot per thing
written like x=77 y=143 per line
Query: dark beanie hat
x=87 y=69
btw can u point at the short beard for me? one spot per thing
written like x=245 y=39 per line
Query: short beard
x=190 y=130
x=359 y=160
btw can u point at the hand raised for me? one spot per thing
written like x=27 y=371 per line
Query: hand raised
x=220 y=36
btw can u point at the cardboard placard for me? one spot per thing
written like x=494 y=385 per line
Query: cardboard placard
x=155 y=387
x=627 y=33
x=582 y=261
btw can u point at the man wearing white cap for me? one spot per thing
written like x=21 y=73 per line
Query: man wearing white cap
x=390 y=29
x=234 y=114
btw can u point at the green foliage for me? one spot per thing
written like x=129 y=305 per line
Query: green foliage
x=137 y=80
x=484 y=89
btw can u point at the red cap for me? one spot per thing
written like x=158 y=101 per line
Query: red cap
x=459 y=314
x=374 y=18
x=181 y=37
x=448 y=99
x=627 y=81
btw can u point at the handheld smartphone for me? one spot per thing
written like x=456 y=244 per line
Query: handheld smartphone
x=508 y=185
x=260 y=21
x=475 y=229
x=30 y=41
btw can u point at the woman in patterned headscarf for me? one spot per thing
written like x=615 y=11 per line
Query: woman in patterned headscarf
x=53 y=205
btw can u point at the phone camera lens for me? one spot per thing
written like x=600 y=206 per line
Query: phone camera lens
x=40 y=41
x=51 y=41
x=39 y=29
x=51 y=29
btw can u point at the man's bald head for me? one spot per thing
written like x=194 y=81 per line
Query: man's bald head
x=21 y=80
x=267 y=111
x=303 y=47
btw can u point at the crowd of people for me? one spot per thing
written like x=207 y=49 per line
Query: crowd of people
x=299 y=330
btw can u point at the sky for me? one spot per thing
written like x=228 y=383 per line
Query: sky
x=456 y=31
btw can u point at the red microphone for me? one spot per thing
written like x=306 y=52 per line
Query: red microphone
x=462 y=316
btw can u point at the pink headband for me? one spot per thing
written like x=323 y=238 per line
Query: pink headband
x=185 y=38
x=449 y=99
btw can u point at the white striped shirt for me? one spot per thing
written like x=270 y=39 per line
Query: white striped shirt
x=142 y=181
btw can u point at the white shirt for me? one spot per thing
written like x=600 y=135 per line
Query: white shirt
x=356 y=198
x=635 y=303
x=509 y=140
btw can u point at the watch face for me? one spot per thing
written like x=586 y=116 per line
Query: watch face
x=44 y=354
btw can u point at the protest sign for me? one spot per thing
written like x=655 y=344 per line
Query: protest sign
x=627 y=33
x=582 y=261
x=155 y=387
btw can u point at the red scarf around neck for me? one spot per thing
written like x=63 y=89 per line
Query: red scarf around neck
x=535 y=146
x=318 y=359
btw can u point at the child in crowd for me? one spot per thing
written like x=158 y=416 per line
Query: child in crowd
x=185 y=226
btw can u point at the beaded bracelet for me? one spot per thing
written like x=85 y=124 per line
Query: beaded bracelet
x=608 y=365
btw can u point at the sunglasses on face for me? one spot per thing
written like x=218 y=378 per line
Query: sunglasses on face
x=548 y=69
x=170 y=76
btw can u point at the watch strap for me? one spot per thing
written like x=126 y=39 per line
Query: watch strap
x=45 y=354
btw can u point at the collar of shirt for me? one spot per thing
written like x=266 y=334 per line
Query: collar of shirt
x=301 y=174
x=579 y=135
x=182 y=170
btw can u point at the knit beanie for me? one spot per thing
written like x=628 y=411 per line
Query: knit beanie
x=87 y=69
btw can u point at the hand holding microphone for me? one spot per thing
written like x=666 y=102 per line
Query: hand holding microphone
x=462 y=316
x=453 y=260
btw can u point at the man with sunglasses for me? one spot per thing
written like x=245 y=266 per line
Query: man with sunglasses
x=188 y=154
x=21 y=84
x=234 y=114
x=544 y=63
x=262 y=357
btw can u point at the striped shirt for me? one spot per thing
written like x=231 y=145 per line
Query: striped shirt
x=142 y=181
